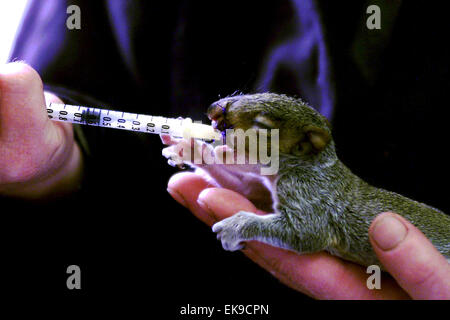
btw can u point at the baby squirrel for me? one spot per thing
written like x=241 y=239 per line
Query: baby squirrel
x=317 y=203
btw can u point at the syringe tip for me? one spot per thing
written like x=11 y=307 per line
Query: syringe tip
x=203 y=131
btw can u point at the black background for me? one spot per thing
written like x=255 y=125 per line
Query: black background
x=135 y=245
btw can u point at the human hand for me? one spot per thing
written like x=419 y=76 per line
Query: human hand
x=410 y=257
x=38 y=157
x=318 y=275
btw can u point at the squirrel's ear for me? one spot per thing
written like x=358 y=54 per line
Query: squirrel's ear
x=315 y=139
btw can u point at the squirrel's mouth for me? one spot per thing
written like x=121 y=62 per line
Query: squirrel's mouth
x=217 y=115
x=221 y=125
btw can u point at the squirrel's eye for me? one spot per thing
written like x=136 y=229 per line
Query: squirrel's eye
x=296 y=150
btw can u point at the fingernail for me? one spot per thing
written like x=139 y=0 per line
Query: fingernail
x=203 y=204
x=201 y=200
x=388 y=232
x=177 y=196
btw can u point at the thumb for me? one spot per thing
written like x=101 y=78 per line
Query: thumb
x=32 y=148
x=410 y=257
x=22 y=103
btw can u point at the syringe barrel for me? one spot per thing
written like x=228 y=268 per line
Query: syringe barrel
x=130 y=121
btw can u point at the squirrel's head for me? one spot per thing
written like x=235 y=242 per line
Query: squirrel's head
x=302 y=130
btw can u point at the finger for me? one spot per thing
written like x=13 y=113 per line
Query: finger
x=185 y=188
x=223 y=203
x=167 y=139
x=32 y=146
x=319 y=275
x=21 y=91
x=410 y=257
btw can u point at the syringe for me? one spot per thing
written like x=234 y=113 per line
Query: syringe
x=181 y=127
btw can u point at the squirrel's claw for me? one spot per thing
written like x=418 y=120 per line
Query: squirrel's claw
x=228 y=232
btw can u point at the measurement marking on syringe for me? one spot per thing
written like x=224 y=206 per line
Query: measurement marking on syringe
x=148 y=123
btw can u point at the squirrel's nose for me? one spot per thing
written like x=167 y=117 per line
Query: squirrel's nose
x=216 y=113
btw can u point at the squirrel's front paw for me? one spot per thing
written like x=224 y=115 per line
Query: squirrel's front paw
x=173 y=156
x=230 y=230
x=186 y=152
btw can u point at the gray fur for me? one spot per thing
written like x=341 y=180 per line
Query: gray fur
x=318 y=203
